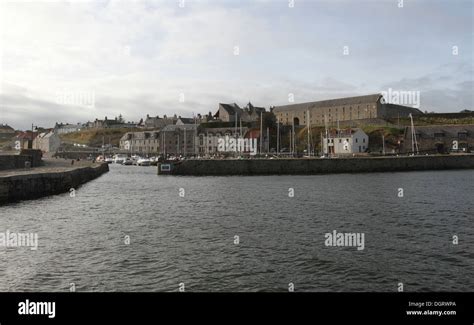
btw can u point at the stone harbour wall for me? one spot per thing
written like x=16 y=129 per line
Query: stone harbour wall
x=320 y=166
x=16 y=161
x=34 y=185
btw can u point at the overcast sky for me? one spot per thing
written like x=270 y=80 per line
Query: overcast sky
x=73 y=61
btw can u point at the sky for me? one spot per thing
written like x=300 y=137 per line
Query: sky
x=75 y=61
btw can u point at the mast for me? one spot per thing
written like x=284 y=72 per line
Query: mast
x=196 y=141
x=383 y=144
x=327 y=135
x=241 y=127
x=278 y=138
x=308 y=124
x=268 y=139
x=236 y=119
x=291 y=143
x=261 y=131
x=322 y=143
x=414 y=144
x=293 y=137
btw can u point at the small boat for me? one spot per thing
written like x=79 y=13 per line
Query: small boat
x=119 y=159
x=109 y=160
x=127 y=162
x=144 y=162
x=154 y=161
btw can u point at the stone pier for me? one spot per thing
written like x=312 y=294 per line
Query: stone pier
x=53 y=178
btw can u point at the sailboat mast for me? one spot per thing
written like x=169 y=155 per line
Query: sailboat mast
x=308 y=124
x=278 y=138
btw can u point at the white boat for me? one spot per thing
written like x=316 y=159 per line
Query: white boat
x=127 y=162
x=119 y=159
x=109 y=160
x=144 y=162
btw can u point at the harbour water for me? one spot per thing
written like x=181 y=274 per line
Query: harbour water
x=183 y=230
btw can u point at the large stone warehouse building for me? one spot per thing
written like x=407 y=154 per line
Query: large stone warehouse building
x=342 y=109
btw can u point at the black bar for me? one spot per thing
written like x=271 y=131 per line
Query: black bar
x=240 y=306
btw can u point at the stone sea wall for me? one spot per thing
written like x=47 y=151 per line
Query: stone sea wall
x=320 y=166
x=15 y=161
x=34 y=185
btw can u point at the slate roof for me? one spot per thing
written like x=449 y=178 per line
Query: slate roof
x=5 y=128
x=231 y=108
x=187 y=120
x=330 y=103
x=174 y=127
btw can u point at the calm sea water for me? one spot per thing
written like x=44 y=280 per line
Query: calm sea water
x=190 y=239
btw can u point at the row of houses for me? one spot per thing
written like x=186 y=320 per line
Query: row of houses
x=186 y=139
x=322 y=112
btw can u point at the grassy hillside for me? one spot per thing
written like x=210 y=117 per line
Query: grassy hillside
x=94 y=137
x=433 y=120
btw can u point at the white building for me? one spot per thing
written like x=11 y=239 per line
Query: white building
x=348 y=141
x=47 y=142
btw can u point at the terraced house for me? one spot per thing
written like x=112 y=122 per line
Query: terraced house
x=342 y=109
x=208 y=138
x=232 y=112
x=6 y=131
x=141 y=142
x=179 y=139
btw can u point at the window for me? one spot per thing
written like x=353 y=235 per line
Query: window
x=340 y=140
x=363 y=140
x=357 y=140
x=462 y=135
x=439 y=134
